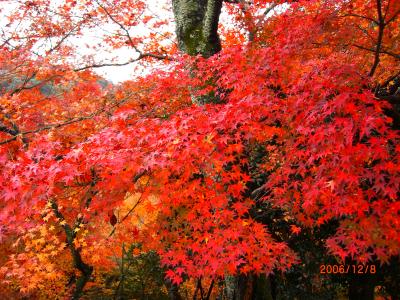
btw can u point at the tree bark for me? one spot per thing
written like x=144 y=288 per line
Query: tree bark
x=197 y=26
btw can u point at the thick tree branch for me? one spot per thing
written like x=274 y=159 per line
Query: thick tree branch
x=381 y=28
x=15 y=131
x=85 y=269
x=382 y=51
x=32 y=86
x=210 y=288
x=90 y=193
x=70 y=232
x=270 y=8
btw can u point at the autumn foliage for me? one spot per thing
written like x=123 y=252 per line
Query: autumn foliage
x=304 y=121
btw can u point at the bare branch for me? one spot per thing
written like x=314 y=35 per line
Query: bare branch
x=9 y=140
x=101 y=65
x=141 y=56
x=270 y=8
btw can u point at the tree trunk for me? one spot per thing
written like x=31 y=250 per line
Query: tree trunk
x=173 y=290
x=197 y=33
x=197 y=26
x=245 y=287
x=263 y=288
x=248 y=287
x=361 y=287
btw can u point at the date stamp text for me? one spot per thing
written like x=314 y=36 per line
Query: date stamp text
x=347 y=269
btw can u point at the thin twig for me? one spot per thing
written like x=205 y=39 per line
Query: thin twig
x=362 y=17
x=392 y=18
x=131 y=210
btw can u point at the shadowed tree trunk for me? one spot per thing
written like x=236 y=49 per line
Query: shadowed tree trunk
x=173 y=290
x=248 y=287
x=361 y=287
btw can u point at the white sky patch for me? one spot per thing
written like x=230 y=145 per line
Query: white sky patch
x=89 y=48
x=159 y=9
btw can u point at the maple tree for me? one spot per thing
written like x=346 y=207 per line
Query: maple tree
x=251 y=148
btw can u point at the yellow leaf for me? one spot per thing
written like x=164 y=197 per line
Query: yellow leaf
x=96 y=258
x=43 y=231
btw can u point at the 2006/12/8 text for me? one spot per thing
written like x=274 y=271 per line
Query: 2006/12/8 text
x=347 y=269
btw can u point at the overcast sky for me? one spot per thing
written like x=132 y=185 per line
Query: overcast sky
x=162 y=8
x=157 y=8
